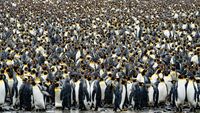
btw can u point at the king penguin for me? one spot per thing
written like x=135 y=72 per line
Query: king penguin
x=19 y=83
x=192 y=93
x=181 y=92
x=162 y=91
x=123 y=95
x=38 y=97
x=58 y=101
x=103 y=89
x=66 y=94
x=3 y=90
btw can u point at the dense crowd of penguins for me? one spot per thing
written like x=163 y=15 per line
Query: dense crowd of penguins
x=90 y=54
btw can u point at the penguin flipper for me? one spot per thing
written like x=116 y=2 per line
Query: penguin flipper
x=45 y=93
x=155 y=95
x=176 y=93
x=196 y=92
x=6 y=87
x=15 y=91
x=93 y=94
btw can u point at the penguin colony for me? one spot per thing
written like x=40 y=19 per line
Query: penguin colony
x=90 y=54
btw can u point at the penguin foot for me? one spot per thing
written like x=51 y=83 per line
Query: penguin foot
x=124 y=110
x=192 y=109
x=63 y=108
x=96 y=109
x=179 y=109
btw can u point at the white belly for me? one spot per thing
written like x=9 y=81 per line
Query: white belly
x=162 y=92
x=19 y=83
x=103 y=89
x=150 y=94
x=129 y=90
x=38 y=98
x=123 y=96
x=10 y=85
x=191 y=94
x=58 y=102
x=181 y=92
x=168 y=83
x=3 y=92
x=88 y=86
x=16 y=99
x=77 y=91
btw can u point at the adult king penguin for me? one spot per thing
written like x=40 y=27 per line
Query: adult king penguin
x=181 y=92
x=192 y=93
x=3 y=90
x=38 y=97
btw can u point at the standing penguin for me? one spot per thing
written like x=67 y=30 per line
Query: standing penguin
x=109 y=94
x=192 y=93
x=130 y=92
x=25 y=94
x=173 y=93
x=12 y=83
x=19 y=83
x=96 y=94
x=162 y=91
x=76 y=91
x=181 y=92
x=123 y=95
x=103 y=89
x=168 y=79
x=3 y=90
x=118 y=93
x=83 y=93
x=57 y=90
x=38 y=97
x=152 y=95
x=66 y=94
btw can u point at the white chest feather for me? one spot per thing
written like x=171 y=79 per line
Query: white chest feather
x=77 y=85
x=10 y=85
x=162 y=92
x=38 y=98
x=140 y=78
x=103 y=89
x=181 y=90
x=129 y=89
x=168 y=80
x=150 y=94
x=123 y=96
x=191 y=93
x=58 y=102
x=3 y=92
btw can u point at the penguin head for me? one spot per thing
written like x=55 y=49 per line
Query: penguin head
x=141 y=84
x=192 y=77
x=181 y=76
x=161 y=80
x=124 y=81
x=56 y=85
x=134 y=80
x=33 y=83
x=117 y=79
